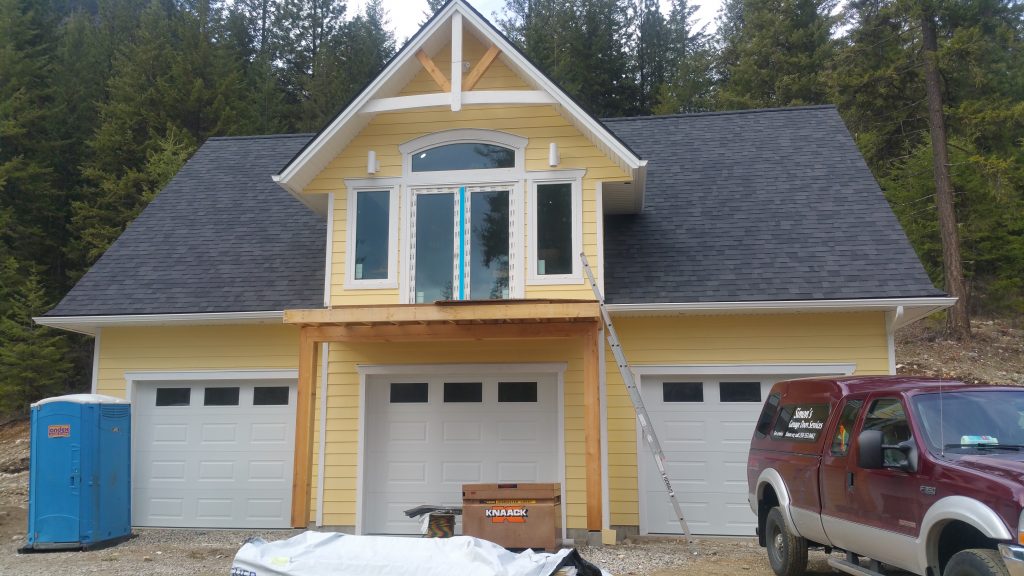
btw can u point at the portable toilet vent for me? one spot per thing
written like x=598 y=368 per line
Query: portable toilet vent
x=80 y=473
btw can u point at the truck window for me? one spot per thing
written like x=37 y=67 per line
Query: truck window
x=764 y=422
x=801 y=422
x=887 y=415
x=841 y=440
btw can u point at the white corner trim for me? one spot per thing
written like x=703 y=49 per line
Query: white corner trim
x=96 y=360
x=329 y=251
x=350 y=282
x=360 y=454
x=321 y=464
x=599 y=200
x=796 y=369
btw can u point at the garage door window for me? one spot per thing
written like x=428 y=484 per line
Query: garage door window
x=221 y=397
x=517 y=391
x=463 y=391
x=173 y=396
x=682 y=392
x=739 y=392
x=270 y=396
x=409 y=392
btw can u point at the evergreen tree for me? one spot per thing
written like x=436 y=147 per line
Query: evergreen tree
x=690 y=60
x=652 y=54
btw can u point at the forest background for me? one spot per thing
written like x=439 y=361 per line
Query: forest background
x=101 y=101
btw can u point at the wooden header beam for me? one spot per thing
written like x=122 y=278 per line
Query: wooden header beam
x=448 y=332
x=482 y=313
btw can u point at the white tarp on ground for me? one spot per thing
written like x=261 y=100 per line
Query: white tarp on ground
x=333 y=554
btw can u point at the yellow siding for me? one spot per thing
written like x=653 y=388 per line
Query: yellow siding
x=857 y=338
x=540 y=124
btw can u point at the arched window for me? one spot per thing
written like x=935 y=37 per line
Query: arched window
x=463 y=156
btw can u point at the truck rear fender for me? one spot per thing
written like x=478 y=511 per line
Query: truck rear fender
x=963 y=509
x=771 y=477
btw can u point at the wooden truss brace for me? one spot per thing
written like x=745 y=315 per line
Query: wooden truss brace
x=434 y=71
x=481 y=67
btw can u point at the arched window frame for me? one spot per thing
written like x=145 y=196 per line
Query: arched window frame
x=464 y=136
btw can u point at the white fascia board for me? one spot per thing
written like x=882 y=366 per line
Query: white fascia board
x=914 y=308
x=90 y=324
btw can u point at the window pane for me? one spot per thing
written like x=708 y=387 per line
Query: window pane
x=764 y=422
x=371 y=262
x=682 y=391
x=801 y=422
x=435 y=246
x=488 y=268
x=221 y=397
x=886 y=414
x=463 y=391
x=554 y=229
x=464 y=156
x=517 y=391
x=841 y=441
x=173 y=396
x=408 y=392
x=270 y=396
x=739 y=392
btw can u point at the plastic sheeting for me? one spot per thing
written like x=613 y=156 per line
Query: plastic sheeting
x=333 y=554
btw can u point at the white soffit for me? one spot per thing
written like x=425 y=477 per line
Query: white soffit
x=435 y=35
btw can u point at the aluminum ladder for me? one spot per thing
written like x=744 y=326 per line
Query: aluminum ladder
x=634 y=394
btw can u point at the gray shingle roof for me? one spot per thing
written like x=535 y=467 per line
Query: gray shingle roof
x=220 y=237
x=756 y=205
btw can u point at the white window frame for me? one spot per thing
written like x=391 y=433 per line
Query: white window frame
x=464 y=177
x=535 y=179
x=353 y=190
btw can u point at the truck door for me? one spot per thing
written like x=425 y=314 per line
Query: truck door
x=836 y=473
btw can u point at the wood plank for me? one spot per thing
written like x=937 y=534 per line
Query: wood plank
x=434 y=71
x=592 y=427
x=301 y=484
x=481 y=67
x=450 y=332
x=425 y=313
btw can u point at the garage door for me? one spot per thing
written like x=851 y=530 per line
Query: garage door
x=213 y=454
x=425 y=437
x=704 y=426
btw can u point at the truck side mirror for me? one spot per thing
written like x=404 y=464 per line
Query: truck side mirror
x=869 y=449
x=909 y=449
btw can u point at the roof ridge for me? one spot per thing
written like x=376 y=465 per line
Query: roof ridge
x=723 y=113
x=261 y=136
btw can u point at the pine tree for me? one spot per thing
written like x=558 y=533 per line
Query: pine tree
x=652 y=54
x=690 y=60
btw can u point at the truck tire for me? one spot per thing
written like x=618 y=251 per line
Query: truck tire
x=976 y=562
x=787 y=553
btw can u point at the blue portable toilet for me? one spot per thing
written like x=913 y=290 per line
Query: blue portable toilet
x=80 y=473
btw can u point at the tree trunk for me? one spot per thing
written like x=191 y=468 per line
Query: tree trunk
x=958 y=324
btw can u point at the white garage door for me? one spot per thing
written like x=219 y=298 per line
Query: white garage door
x=213 y=454
x=704 y=426
x=426 y=436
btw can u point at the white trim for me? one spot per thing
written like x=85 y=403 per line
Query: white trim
x=89 y=324
x=351 y=282
x=96 y=360
x=599 y=199
x=456 y=79
x=843 y=369
x=196 y=375
x=375 y=183
x=395 y=103
x=576 y=276
x=514 y=97
x=563 y=175
x=364 y=370
x=891 y=318
x=464 y=135
x=329 y=251
x=321 y=465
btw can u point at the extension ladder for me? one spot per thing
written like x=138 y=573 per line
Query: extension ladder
x=634 y=394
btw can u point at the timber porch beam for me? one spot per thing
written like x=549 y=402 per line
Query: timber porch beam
x=427 y=313
x=592 y=427
x=306 y=394
x=448 y=332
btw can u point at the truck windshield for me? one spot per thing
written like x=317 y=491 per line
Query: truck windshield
x=972 y=421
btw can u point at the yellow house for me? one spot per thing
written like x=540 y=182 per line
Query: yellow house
x=327 y=330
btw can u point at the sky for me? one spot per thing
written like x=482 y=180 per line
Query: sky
x=406 y=15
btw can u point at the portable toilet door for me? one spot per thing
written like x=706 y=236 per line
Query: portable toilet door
x=55 y=475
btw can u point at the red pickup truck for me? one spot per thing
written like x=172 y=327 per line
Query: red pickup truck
x=922 y=475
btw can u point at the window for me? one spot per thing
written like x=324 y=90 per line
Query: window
x=221 y=396
x=764 y=421
x=682 y=391
x=270 y=396
x=463 y=156
x=371 y=239
x=409 y=392
x=841 y=440
x=556 y=238
x=173 y=396
x=802 y=422
x=463 y=391
x=887 y=415
x=517 y=391
x=739 y=392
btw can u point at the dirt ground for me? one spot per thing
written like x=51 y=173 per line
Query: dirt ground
x=995 y=356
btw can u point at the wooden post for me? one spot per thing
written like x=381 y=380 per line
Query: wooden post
x=301 y=481
x=592 y=427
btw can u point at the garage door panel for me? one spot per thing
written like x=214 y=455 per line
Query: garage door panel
x=225 y=466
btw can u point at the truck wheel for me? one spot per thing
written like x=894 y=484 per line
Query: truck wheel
x=976 y=562
x=786 y=553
